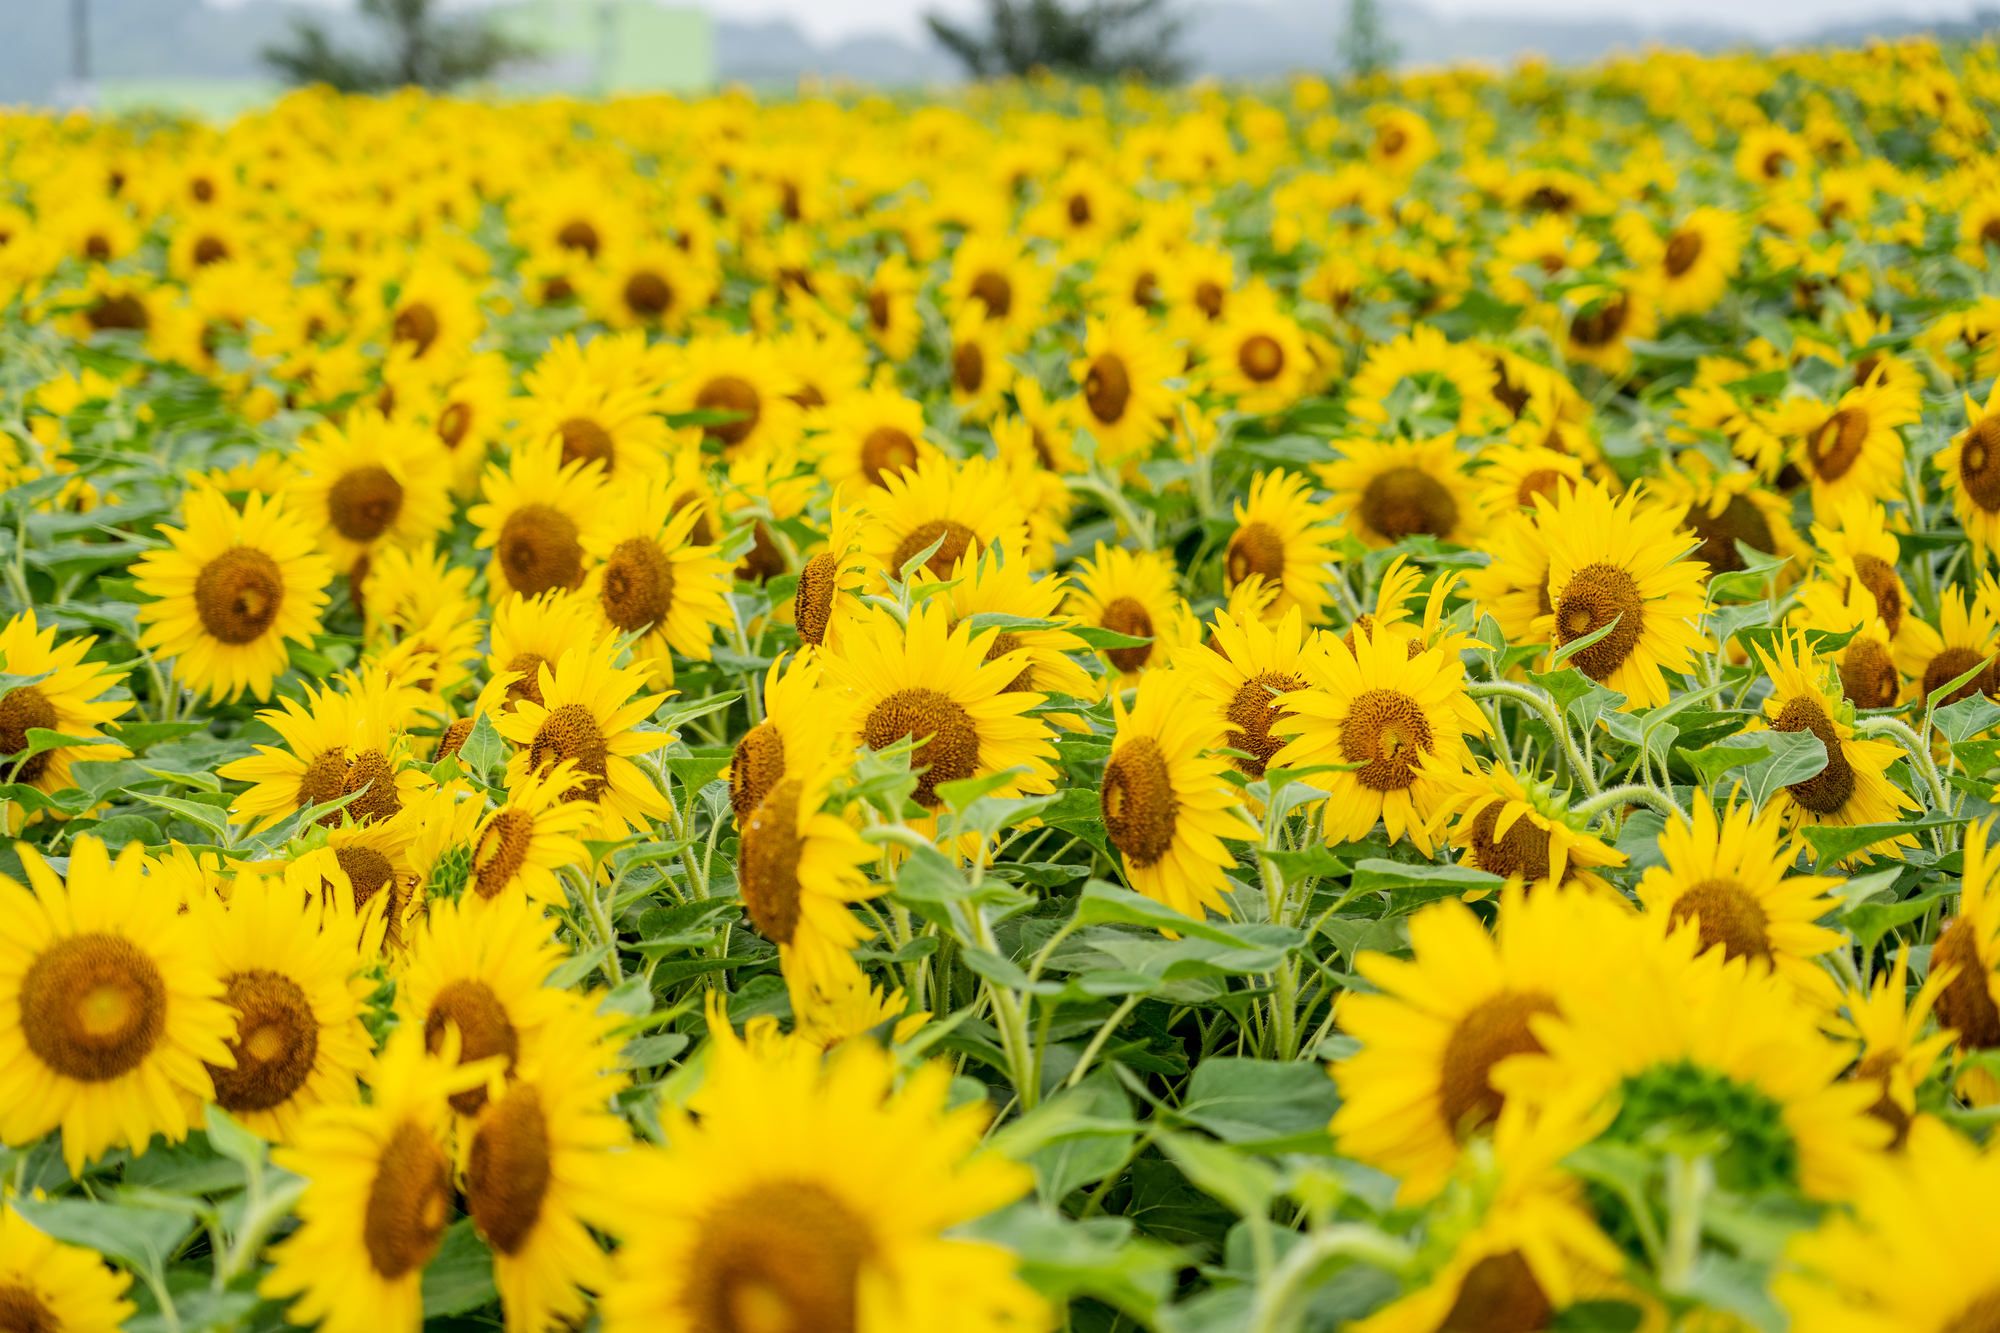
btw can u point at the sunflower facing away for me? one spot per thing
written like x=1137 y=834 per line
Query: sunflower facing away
x=587 y=713
x=1283 y=537
x=814 y=1197
x=47 y=1285
x=109 y=1015
x=536 y=512
x=231 y=591
x=67 y=702
x=798 y=868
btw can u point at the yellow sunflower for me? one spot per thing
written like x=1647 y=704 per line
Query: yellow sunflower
x=815 y=1197
x=1512 y=475
x=296 y=995
x=345 y=737
x=45 y=1284
x=1970 y=466
x=1970 y=943
x=1389 y=490
x=1618 y=562
x=1606 y=318
x=1696 y=261
x=614 y=426
x=799 y=867
x=469 y=414
x=586 y=715
x=928 y=679
x=653 y=580
x=996 y=586
x=1403 y=140
x=1857 y=549
x=230 y=593
x=1521 y=832
x=890 y=300
x=980 y=371
x=1851 y=451
x=68 y=702
x=790 y=739
x=112 y=1015
x=537 y=510
x=833 y=581
x=365 y=875
x=528 y=838
x=1256 y=355
x=993 y=275
x=1246 y=664
x=1896 y=1054
x=743 y=375
x=1392 y=712
x=875 y=433
x=371 y=482
x=1724 y=508
x=1123 y=373
x=1133 y=593
x=1867 y=664
x=529 y=633
x=1513 y=587
x=967 y=507
x=648 y=285
x=1165 y=803
x=1283 y=536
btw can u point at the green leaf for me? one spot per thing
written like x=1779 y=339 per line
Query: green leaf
x=1759 y=571
x=1711 y=762
x=1795 y=757
x=1268 y=1106
x=233 y=1141
x=1100 y=1257
x=1100 y=638
x=1839 y=842
x=668 y=718
x=1769 y=639
x=1966 y=718
x=1102 y=903
x=459 y=1277
x=651 y=1052
x=1869 y=922
x=1565 y=686
x=1082 y=813
x=136 y=736
x=209 y=817
x=143 y=1238
x=697 y=770
x=1000 y=620
x=484 y=747
x=1315 y=862
x=1411 y=885
x=1246 y=1185
x=1577 y=645
x=958 y=795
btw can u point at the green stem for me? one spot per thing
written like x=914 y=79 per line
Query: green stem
x=1630 y=794
x=1542 y=703
x=1083 y=1064
x=1274 y=1310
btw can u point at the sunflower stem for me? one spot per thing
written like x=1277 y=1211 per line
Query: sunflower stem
x=1542 y=703
x=1688 y=1182
x=1913 y=745
x=1629 y=794
x=1277 y=1299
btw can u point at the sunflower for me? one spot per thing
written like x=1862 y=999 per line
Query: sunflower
x=1123 y=372
x=371 y=482
x=468 y=414
x=815 y=1197
x=536 y=512
x=528 y=838
x=1896 y=1056
x=1858 y=551
x=799 y=866
x=538 y=1173
x=297 y=997
x=1617 y=562
x=1512 y=475
x=1447 y=382
x=788 y=741
x=1867 y=664
x=929 y=679
x=587 y=713
x=1283 y=536
x=230 y=593
x=980 y=371
x=1605 y=318
x=993 y=585
x=1518 y=831
x=365 y=873
x=1970 y=942
x=966 y=508
x=1918 y=1249
x=1389 y=490
x=1726 y=878
x=1132 y=593
x=743 y=375
x=872 y=434
x=345 y=737
x=1853 y=788
x=477 y=969
x=652 y=580
x=993 y=276
x=69 y=701
x=1853 y=450
x=380 y=1196
x=1970 y=466
x=1403 y=140
x=831 y=363
x=1422 y=1085
x=890 y=302
x=432 y=318
x=1165 y=804
x=833 y=581
x=1724 y=508
x=648 y=286
x=47 y=1285
x=1767 y=154
x=615 y=427
x=529 y=633
x=1549 y=246
x=1390 y=711
x=1696 y=261
x=850 y=1006
x=1198 y=283
x=112 y=1012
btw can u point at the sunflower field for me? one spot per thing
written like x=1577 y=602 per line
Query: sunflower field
x=1076 y=707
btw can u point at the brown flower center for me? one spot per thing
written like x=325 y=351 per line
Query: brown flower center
x=1948 y=666
x=417 y=324
x=454 y=423
x=93 y=1006
x=584 y=440
x=1006 y=642
x=1542 y=481
x=1879 y=577
x=951 y=754
x=768 y=862
x=780 y=1257
x=1386 y=732
x=22 y=709
x=1522 y=850
x=123 y=311
x=238 y=594
x=1595 y=596
x=210 y=250
x=1260 y=358
x=1981 y=1316
x=1966 y=1002
x=1499 y=1294
x=638 y=585
x=887 y=451
x=1683 y=249
x=578 y=234
x=968 y=367
x=408 y=1203
x=570 y=732
x=22 y=1311
x=538 y=550
x=1107 y=388
x=529 y=685
x=958 y=539
x=508 y=1171
x=1602 y=326
x=368 y=871
x=484 y=1030
x=1128 y=616
x=502 y=851
x=998 y=293
x=812 y=603
x=1209 y=298
x=1253 y=708
x=1491 y=1030
x=363 y=503
x=1827 y=791
x=1138 y=802
x=1256 y=548
x=1079 y=210
x=1834 y=448
x=1739 y=521
x=755 y=768
x=1729 y=917
x=648 y=295
x=1402 y=501
x=729 y=393
x=1979 y=464
x=1868 y=676
x=277 y=1039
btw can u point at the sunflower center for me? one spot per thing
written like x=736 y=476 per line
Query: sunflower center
x=1209 y=298
x=638 y=585
x=1827 y=791
x=1260 y=358
x=1602 y=326
x=1253 y=708
x=529 y=686
x=1387 y=733
x=952 y=752
x=1948 y=666
x=453 y=423
x=238 y=594
x=1835 y=447
x=1867 y=674
x=1683 y=249
x=887 y=451
x=1983 y=1315
x=1490 y=1031
x=483 y=1031
x=1256 y=549
x=1079 y=210
x=578 y=234
x=648 y=294
x=408 y=1204
x=210 y=250
x=1499 y=1294
x=1138 y=802
x=1107 y=388
x=502 y=851
x=780 y=1257
x=1542 y=481
x=22 y=1311
x=1523 y=850
x=367 y=872
x=20 y=710
x=1966 y=1003
x=968 y=367
x=730 y=393
x=1390 y=140
x=878 y=310
x=277 y=1039
x=755 y=768
x=958 y=539
x=1595 y=596
x=768 y=863
x=453 y=738
x=93 y=1007
x=1739 y=521
x=1879 y=577
x=584 y=440
x=1729 y=917
x=570 y=732
x=998 y=293
x=701 y=534
x=1006 y=642
x=363 y=502
x=1128 y=616
x=1402 y=501
x=370 y=769
x=812 y=604
x=1979 y=464
x=418 y=324
x=123 y=311
x=539 y=550
x=507 y=1172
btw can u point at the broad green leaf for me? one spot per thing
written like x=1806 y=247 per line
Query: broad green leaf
x=144 y=1238
x=1967 y=718
x=209 y=817
x=484 y=747
x=1103 y=639
x=1838 y=842
x=1568 y=650
x=1795 y=757
x=459 y=1278
x=1267 y=1106
x=1225 y=1173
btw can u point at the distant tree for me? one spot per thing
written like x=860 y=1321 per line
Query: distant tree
x=1094 y=39
x=424 y=50
x=1365 y=45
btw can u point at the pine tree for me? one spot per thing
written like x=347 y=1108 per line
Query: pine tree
x=424 y=51
x=1100 y=39
x=1365 y=46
